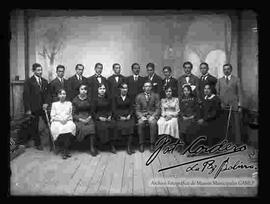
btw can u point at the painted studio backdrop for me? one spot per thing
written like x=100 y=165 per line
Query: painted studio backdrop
x=164 y=40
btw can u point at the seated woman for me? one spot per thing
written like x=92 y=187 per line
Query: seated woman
x=210 y=111
x=123 y=114
x=168 y=122
x=105 y=125
x=189 y=111
x=82 y=115
x=62 y=127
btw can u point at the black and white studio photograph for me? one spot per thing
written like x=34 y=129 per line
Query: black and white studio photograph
x=133 y=103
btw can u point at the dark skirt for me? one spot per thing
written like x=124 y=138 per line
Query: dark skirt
x=214 y=130
x=106 y=131
x=84 y=129
x=188 y=126
x=125 y=127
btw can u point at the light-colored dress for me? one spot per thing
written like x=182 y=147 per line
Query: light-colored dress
x=62 y=111
x=170 y=127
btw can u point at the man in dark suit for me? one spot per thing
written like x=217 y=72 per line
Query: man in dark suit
x=115 y=80
x=229 y=90
x=169 y=81
x=58 y=83
x=206 y=78
x=34 y=97
x=188 y=78
x=75 y=81
x=95 y=80
x=154 y=78
x=147 y=111
x=135 y=82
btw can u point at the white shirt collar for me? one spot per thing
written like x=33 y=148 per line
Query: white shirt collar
x=210 y=97
x=205 y=75
x=151 y=78
x=78 y=77
x=37 y=78
x=123 y=97
x=60 y=79
x=229 y=77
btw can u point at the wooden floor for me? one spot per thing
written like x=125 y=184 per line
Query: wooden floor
x=44 y=173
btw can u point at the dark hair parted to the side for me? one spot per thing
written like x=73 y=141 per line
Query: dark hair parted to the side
x=60 y=66
x=228 y=64
x=77 y=65
x=98 y=64
x=102 y=84
x=168 y=68
x=151 y=65
x=60 y=90
x=82 y=84
x=147 y=81
x=204 y=63
x=190 y=90
x=132 y=66
x=167 y=87
x=115 y=65
x=188 y=62
x=212 y=88
x=121 y=86
x=35 y=66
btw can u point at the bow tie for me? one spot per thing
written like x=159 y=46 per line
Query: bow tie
x=187 y=75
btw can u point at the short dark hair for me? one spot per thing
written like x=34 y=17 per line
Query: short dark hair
x=147 y=81
x=100 y=85
x=35 y=66
x=98 y=64
x=115 y=65
x=60 y=90
x=151 y=65
x=168 y=87
x=60 y=66
x=188 y=62
x=204 y=63
x=228 y=64
x=168 y=68
x=77 y=65
x=134 y=65
x=120 y=86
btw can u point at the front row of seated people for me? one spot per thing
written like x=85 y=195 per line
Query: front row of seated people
x=105 y=119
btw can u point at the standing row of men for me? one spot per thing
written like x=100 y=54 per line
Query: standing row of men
x=39 y=94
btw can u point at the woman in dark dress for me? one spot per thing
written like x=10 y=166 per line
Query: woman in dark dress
x=189 y=112
x=123 y=114
x=82 y=116
x=105 y=124
x=209 y=122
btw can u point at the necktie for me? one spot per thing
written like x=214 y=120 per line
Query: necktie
x=39 y=82
x=116 y=78
x=135 y=78
x=80 y=78
x=227 y=80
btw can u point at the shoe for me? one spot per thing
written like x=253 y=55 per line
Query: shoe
x=129 y=150
x=93 y=152
x=141 y=148
x=113 y=150
x=68 y=154
x=39 y=147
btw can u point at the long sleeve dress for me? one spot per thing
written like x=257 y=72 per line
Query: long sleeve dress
x=189 y=106
x=105 y=130
x=62 y=112
x=83 y=109
x=210 y=112
x=170 y=127
x=123 y=108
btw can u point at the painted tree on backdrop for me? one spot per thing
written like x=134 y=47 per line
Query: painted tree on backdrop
x=52 y=42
